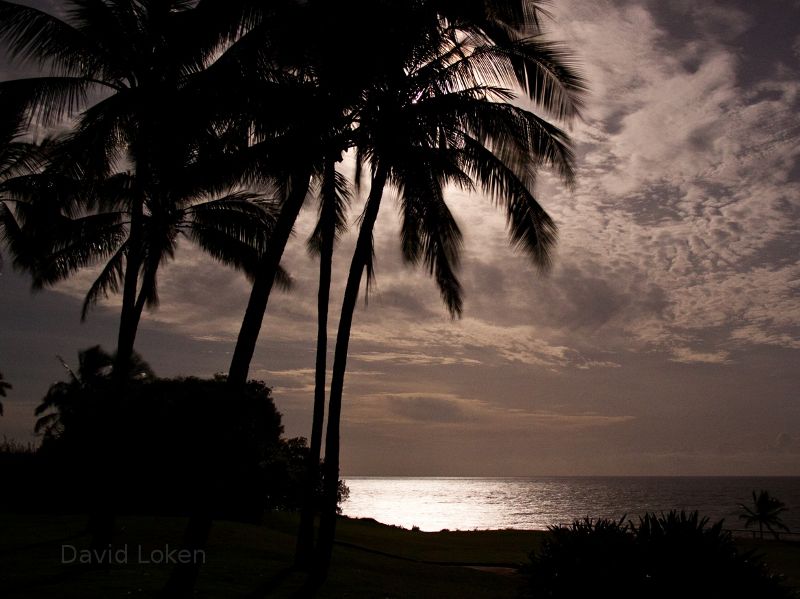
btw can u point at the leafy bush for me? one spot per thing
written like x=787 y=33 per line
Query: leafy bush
x=156 y=446
x=584 y=558
x=663 y=556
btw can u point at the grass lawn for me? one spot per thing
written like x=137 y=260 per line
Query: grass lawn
x=245 y=560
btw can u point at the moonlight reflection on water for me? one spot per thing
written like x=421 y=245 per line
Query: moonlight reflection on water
x=433 y=504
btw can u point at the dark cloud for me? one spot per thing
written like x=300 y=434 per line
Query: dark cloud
x=427 y=409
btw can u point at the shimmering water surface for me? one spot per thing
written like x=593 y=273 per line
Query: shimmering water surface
x=534 y=503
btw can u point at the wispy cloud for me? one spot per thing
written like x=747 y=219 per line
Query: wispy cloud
x=450 y=410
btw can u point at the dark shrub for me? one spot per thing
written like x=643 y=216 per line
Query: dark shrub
x=159 y=448
x=589 y=558
x=664 y=556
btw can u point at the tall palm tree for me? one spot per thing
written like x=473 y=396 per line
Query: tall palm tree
x=334 y=197
x=445 y=118
x=134 y=77
x=316 y=97
x=320 y=110
x=145 y=84
x=766 y=511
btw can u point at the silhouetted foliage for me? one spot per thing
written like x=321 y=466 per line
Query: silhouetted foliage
x=172 y=441
x=663 y=556
x=766 y=511
x=583 y=559
x=132 y=84
x=441 y=114
x=69 y=410
x=287 y=471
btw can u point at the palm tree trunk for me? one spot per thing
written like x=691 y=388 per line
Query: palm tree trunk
x=262 y=286
x=129 y=318
x=361 y=257
x=101 y=516
x=184 y=576
x=305 y=534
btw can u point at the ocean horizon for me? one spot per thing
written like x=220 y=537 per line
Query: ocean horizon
x=534 y=503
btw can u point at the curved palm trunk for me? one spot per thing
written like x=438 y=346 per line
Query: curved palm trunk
x=184 y=576
x=305 y=534
x=262 y=286
x=361 y=257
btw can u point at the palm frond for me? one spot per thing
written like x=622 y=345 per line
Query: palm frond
x=47 y=100
x=245 y=217
x=333 y=202
x=429 y=232
x=531 y=229
x=234 y=252
x=20 y=158
x=108 y=281
x=33 y=35
x=549 y=74
x=73 y=244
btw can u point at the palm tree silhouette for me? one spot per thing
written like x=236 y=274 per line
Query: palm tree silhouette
x=148 y=86
x=48 y=241
x=141 y=83
x=445 y=118
x=316 y=93
x=68 y=405
x=334 y=197
x=765 y=512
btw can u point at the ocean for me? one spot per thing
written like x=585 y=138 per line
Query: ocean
x=433 y=504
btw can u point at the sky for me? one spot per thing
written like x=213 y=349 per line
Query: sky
x=665 y=341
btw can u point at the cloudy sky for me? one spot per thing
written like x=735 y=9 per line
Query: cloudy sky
x=666 y=340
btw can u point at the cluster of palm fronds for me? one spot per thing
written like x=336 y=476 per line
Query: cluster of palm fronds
x=677 y=554
x=217 y=119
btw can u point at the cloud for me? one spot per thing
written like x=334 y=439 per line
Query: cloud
x=412 y=358
x=687 y=193
x=676 y=227
x=689 y=356
x=451 y=410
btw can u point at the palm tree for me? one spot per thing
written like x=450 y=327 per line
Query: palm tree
x=68 y=405
x=47 y=238
x=445 y=118
x=147 y=84
x=138 y=79
x=765 y=512
x=334 y=197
